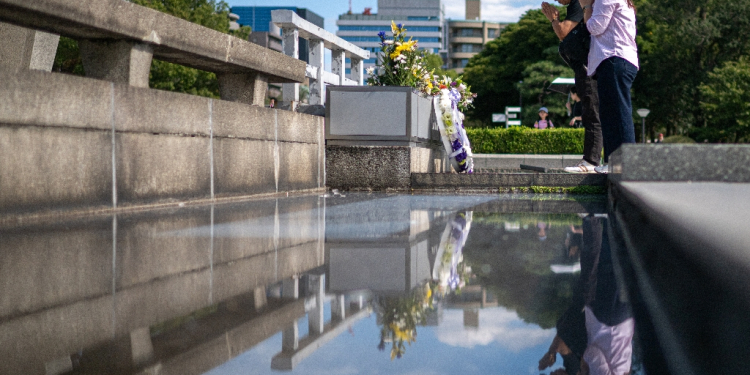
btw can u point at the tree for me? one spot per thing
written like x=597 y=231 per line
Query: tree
x=680 y=42
x=726 y=104
x=536 y=79
x=495 y=72
x=164 y=75
x=434 y=63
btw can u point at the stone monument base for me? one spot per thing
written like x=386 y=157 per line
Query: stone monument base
x=381 y=167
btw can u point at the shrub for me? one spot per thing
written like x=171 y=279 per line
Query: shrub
x=679 y=139
x=517 y=140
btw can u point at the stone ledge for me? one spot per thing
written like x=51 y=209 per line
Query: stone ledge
x=173 y=39
x=495 y=180
x=664 y=162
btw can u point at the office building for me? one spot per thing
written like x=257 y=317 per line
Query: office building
x=467 y=38
x=259 y=19
x=423 y=19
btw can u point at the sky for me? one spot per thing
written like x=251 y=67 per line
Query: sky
x=492 y=10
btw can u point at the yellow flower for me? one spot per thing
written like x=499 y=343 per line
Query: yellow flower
x=406 y=46
x=394 y=29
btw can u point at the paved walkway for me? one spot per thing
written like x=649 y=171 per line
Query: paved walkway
x=514 y=161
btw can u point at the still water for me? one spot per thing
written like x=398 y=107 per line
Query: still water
x=335 y=284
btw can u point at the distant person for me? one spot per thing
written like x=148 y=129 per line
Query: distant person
x=613 y=60
x=574 y=50
x=272 y=103
x=543 y=123
x=660 y=139
x=576 y=109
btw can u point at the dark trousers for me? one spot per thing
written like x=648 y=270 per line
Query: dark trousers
x=587 y=91
x=614 y=77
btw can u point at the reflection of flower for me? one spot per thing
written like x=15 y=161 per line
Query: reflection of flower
x=400 y=317
x=451 y=273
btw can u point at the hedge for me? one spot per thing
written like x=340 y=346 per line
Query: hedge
x=517 y=140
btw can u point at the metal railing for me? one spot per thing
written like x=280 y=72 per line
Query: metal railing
x=294 y=27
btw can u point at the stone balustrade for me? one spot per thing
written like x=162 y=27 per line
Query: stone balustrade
x=294 y=27
x=118 y=40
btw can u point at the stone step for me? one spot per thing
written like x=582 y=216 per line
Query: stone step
x=504 y=180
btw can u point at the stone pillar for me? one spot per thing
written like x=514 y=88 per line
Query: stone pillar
x=290 y=41
x=338 y=308
x=117 y=61
x=290 y=338
x=338 y=64
x=357 y=68
x=141 y=346
x=248 y=88
x=317 y=62
x=316 y=317
x=259 y=298
x=22 y=48
x=290 y=288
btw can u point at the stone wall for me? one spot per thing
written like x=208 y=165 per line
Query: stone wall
x=70 y=142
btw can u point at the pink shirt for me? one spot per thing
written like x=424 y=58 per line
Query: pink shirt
x=610 y=349
x=543 y=124
x=612 y=28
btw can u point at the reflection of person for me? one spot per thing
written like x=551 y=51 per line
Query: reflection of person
x=567 y=31
x=613 y=61
x=576 y=110
x=542 y=233
x=543 y=123
x=594 y=335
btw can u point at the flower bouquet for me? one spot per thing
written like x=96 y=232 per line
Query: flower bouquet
x=400 y=316
x=401 y=63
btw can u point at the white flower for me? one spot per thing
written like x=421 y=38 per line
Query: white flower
x=371 y=70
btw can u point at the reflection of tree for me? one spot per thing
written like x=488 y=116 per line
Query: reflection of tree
x=515 y=267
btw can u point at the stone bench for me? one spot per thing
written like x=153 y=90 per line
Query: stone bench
x=118 y=40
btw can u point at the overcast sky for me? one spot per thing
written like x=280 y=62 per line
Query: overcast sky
x=492 y=10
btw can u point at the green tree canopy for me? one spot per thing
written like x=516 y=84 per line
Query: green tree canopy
x=536 y=79
x=680 y=43
x=495 y=72
x=726 y=104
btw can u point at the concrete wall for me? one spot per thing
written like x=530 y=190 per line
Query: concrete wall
x=69 y=142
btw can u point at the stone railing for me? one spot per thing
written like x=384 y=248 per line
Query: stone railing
x=294 y=27
x=107 y=141
x=118 y=40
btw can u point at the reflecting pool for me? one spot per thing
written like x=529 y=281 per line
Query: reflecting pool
x=334 y=284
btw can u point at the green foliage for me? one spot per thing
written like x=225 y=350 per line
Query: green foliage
x=434 y=63
x=726 y=101
x=518 y=140
x=536 y=79
x=495 y=72
x=680 y=43
x=678 y=139
x=164 y=75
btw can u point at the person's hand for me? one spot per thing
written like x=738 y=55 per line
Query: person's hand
x=572 y=121
x=567 y=105
x=548 y=360
x=585 y=2
x=550 y=11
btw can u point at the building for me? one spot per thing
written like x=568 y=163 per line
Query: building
x=466 y=38
x=259 y=19
x=423 y=19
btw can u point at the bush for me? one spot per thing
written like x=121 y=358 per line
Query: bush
x=517 y=140
x=679 y=139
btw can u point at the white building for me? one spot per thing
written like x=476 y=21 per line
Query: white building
x=423 y=19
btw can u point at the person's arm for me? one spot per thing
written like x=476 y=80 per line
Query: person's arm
x=597 y=15
x=561 y=28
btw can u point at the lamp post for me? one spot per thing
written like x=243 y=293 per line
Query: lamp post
x=520 y=96
x=643 y=112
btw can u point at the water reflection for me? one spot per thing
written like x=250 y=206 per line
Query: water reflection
x=474 y=284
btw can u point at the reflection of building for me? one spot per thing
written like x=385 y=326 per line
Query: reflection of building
x=423 y=20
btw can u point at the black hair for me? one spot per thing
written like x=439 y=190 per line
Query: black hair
x=573 y=90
